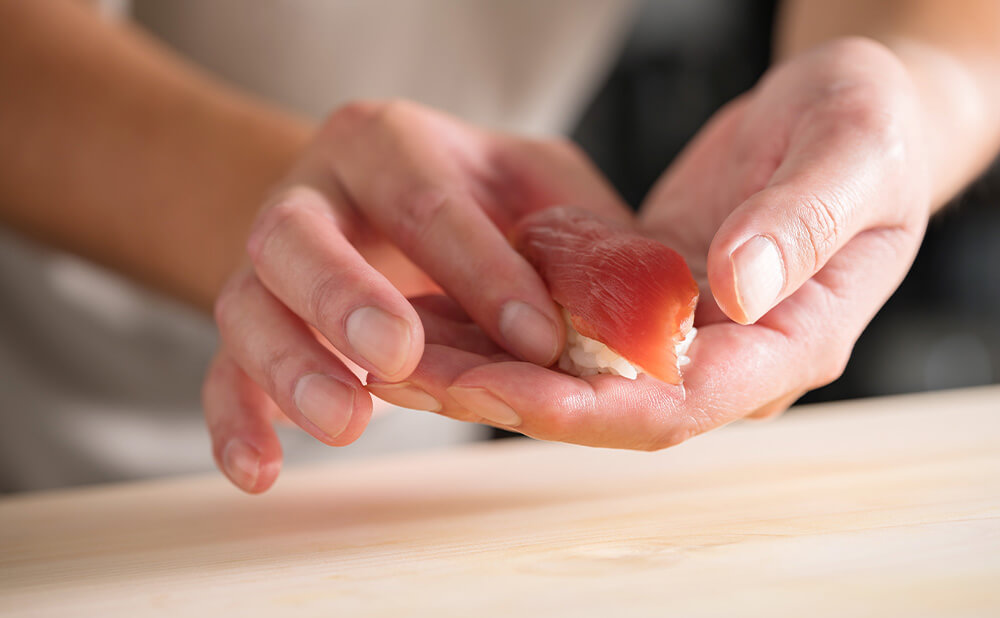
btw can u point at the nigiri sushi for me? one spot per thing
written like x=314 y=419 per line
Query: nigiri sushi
x=628 y=300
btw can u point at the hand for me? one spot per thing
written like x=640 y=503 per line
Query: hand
x=799 y=207
x=328 y=279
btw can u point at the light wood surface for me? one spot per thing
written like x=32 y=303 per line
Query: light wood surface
x=886 y=507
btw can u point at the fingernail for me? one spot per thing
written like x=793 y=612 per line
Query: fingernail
x=532 y=335
x=759 y=275
x=487 y=405
x=382 y=339
x=241 y=462
x=326 y=402
x=405 y=395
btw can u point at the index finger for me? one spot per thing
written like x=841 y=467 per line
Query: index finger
x=416 y=178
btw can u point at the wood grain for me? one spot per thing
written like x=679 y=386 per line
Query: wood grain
x=870 y=508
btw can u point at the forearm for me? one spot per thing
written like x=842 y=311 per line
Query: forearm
x=952 y=53
x=116 y=150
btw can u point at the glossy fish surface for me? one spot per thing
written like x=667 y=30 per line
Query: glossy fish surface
x=629 y=292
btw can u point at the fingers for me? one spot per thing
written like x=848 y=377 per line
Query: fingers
x=278 y=352
x=735 y=371
x=602 y=410
x=426 y=388
x=441 y=192
x=454 y=345
x=842 y=173
x=302 y=257
x=429 y=208
x=644 y=414
x=239 y=415
x=724 y=382
x=444 y=325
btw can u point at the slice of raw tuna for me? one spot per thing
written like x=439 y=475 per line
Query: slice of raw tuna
x=629 y=299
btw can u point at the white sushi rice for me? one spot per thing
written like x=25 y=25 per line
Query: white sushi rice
x=587 y=357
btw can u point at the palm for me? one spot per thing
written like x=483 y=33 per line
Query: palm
x=816 y=148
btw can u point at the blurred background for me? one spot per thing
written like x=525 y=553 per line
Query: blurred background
x=684 y=60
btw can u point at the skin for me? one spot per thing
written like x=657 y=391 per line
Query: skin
x=831 y=180
x=285 y=320
x=838 y=157
x=116 y=150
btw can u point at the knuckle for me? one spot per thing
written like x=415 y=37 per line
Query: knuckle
x=352 y=115
x=868 y=53
x=230 y=300
x=371 y=114
x=819 y=220
x=321 y=296
x=869 y=112
x=287 y=211
x=865 y=112
x=397 y=109
x=276 y=365
x=854 y=45
x=421 y=211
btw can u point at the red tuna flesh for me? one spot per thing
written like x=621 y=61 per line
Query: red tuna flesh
x=629 y=292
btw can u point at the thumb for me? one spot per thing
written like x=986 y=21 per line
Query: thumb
x=840 y=176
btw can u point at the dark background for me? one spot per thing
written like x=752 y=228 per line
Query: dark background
x=939 y=330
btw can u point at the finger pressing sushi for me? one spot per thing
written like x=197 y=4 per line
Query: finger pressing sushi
x=304 y=259
x=430 y=211
x=735 y=370
x=628 y=301
x=821 y=197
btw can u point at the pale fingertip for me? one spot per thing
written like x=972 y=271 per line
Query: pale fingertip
x=382 y=339
x=241 y=463
x=758 y=277
x=405 y=395
x=327 y=403
x=486 y=404
x=530 y=334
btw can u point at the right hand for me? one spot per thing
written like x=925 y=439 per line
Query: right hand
x=390 y=200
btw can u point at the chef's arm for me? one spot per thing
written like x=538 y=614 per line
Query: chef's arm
x=115 y=149
x=952 y=53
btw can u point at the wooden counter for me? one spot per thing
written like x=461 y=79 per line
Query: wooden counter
x=885 y=507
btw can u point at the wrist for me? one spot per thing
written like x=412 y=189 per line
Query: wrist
x=264 y=144
x=953 y=115
x=958 y=114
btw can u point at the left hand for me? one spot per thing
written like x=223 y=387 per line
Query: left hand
x=800 y=207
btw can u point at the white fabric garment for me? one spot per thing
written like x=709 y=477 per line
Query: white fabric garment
x=100 y=380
